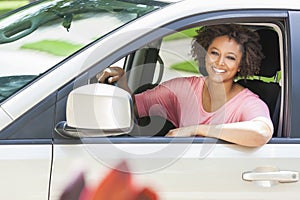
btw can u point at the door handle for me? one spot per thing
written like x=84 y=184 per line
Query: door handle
x=279 y=176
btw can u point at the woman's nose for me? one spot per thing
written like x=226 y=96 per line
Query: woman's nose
x=221 y=60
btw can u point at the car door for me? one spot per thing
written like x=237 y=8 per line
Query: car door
x=195 y=168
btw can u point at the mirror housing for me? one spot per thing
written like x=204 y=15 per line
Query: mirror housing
x=99 y=110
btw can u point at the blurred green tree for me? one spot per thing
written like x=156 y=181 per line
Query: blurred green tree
x=8 y=5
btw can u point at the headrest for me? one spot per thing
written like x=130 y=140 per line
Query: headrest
x=270 y=46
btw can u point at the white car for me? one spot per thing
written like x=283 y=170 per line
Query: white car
x=50 y=53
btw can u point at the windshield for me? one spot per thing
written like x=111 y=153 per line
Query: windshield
x=36 y=37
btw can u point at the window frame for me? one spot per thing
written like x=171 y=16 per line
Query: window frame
x=253 y=17
x=258 y=16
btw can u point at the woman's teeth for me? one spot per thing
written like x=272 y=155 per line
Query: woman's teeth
x=218 y=70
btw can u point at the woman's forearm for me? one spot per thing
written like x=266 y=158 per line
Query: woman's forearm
x=249 y=133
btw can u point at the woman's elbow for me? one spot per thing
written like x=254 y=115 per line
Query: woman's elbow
x=261 y=140
x=263 y=136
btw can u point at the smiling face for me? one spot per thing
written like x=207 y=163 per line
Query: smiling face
x=223 y=59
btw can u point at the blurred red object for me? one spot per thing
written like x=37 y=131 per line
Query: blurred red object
x=74 y=188
x=117 y=185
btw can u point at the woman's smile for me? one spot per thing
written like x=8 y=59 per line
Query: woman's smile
x=218 y=70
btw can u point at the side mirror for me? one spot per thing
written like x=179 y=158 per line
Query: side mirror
x=97 y=110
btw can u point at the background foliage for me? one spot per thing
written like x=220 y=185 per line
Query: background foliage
x=7 y=5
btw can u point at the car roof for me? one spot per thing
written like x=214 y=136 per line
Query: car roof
x=196 y=6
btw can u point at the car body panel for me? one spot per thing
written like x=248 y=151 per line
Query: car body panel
x=293 y=80
x=4 y=118
x=25 y=170
x=189 y=168
x=182 y=171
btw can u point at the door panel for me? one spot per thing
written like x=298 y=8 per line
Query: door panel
x=24 y=171
x=182 y=170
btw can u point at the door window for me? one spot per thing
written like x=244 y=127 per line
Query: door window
x=175 y=54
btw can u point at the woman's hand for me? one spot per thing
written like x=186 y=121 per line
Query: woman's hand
x=110 y=75
x=187 y=131
x=114 y=74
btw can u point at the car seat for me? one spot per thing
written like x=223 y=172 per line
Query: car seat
x=269 y=92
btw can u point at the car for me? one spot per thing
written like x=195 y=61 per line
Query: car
x=56 y=120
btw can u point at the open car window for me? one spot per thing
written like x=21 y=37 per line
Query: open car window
x=175 y=57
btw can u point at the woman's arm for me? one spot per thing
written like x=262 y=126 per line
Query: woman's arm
x=254 y=133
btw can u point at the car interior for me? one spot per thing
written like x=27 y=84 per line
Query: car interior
x=269 y=92
x=265 y=84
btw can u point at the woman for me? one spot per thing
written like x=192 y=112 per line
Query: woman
x=214 y=105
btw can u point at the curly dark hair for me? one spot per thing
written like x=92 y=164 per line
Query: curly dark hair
x=249 y=41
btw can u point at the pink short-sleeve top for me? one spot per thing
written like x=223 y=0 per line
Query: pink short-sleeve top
x=180 y=101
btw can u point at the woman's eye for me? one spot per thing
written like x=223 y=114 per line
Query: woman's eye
x=231 y=57
x=214 y=53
